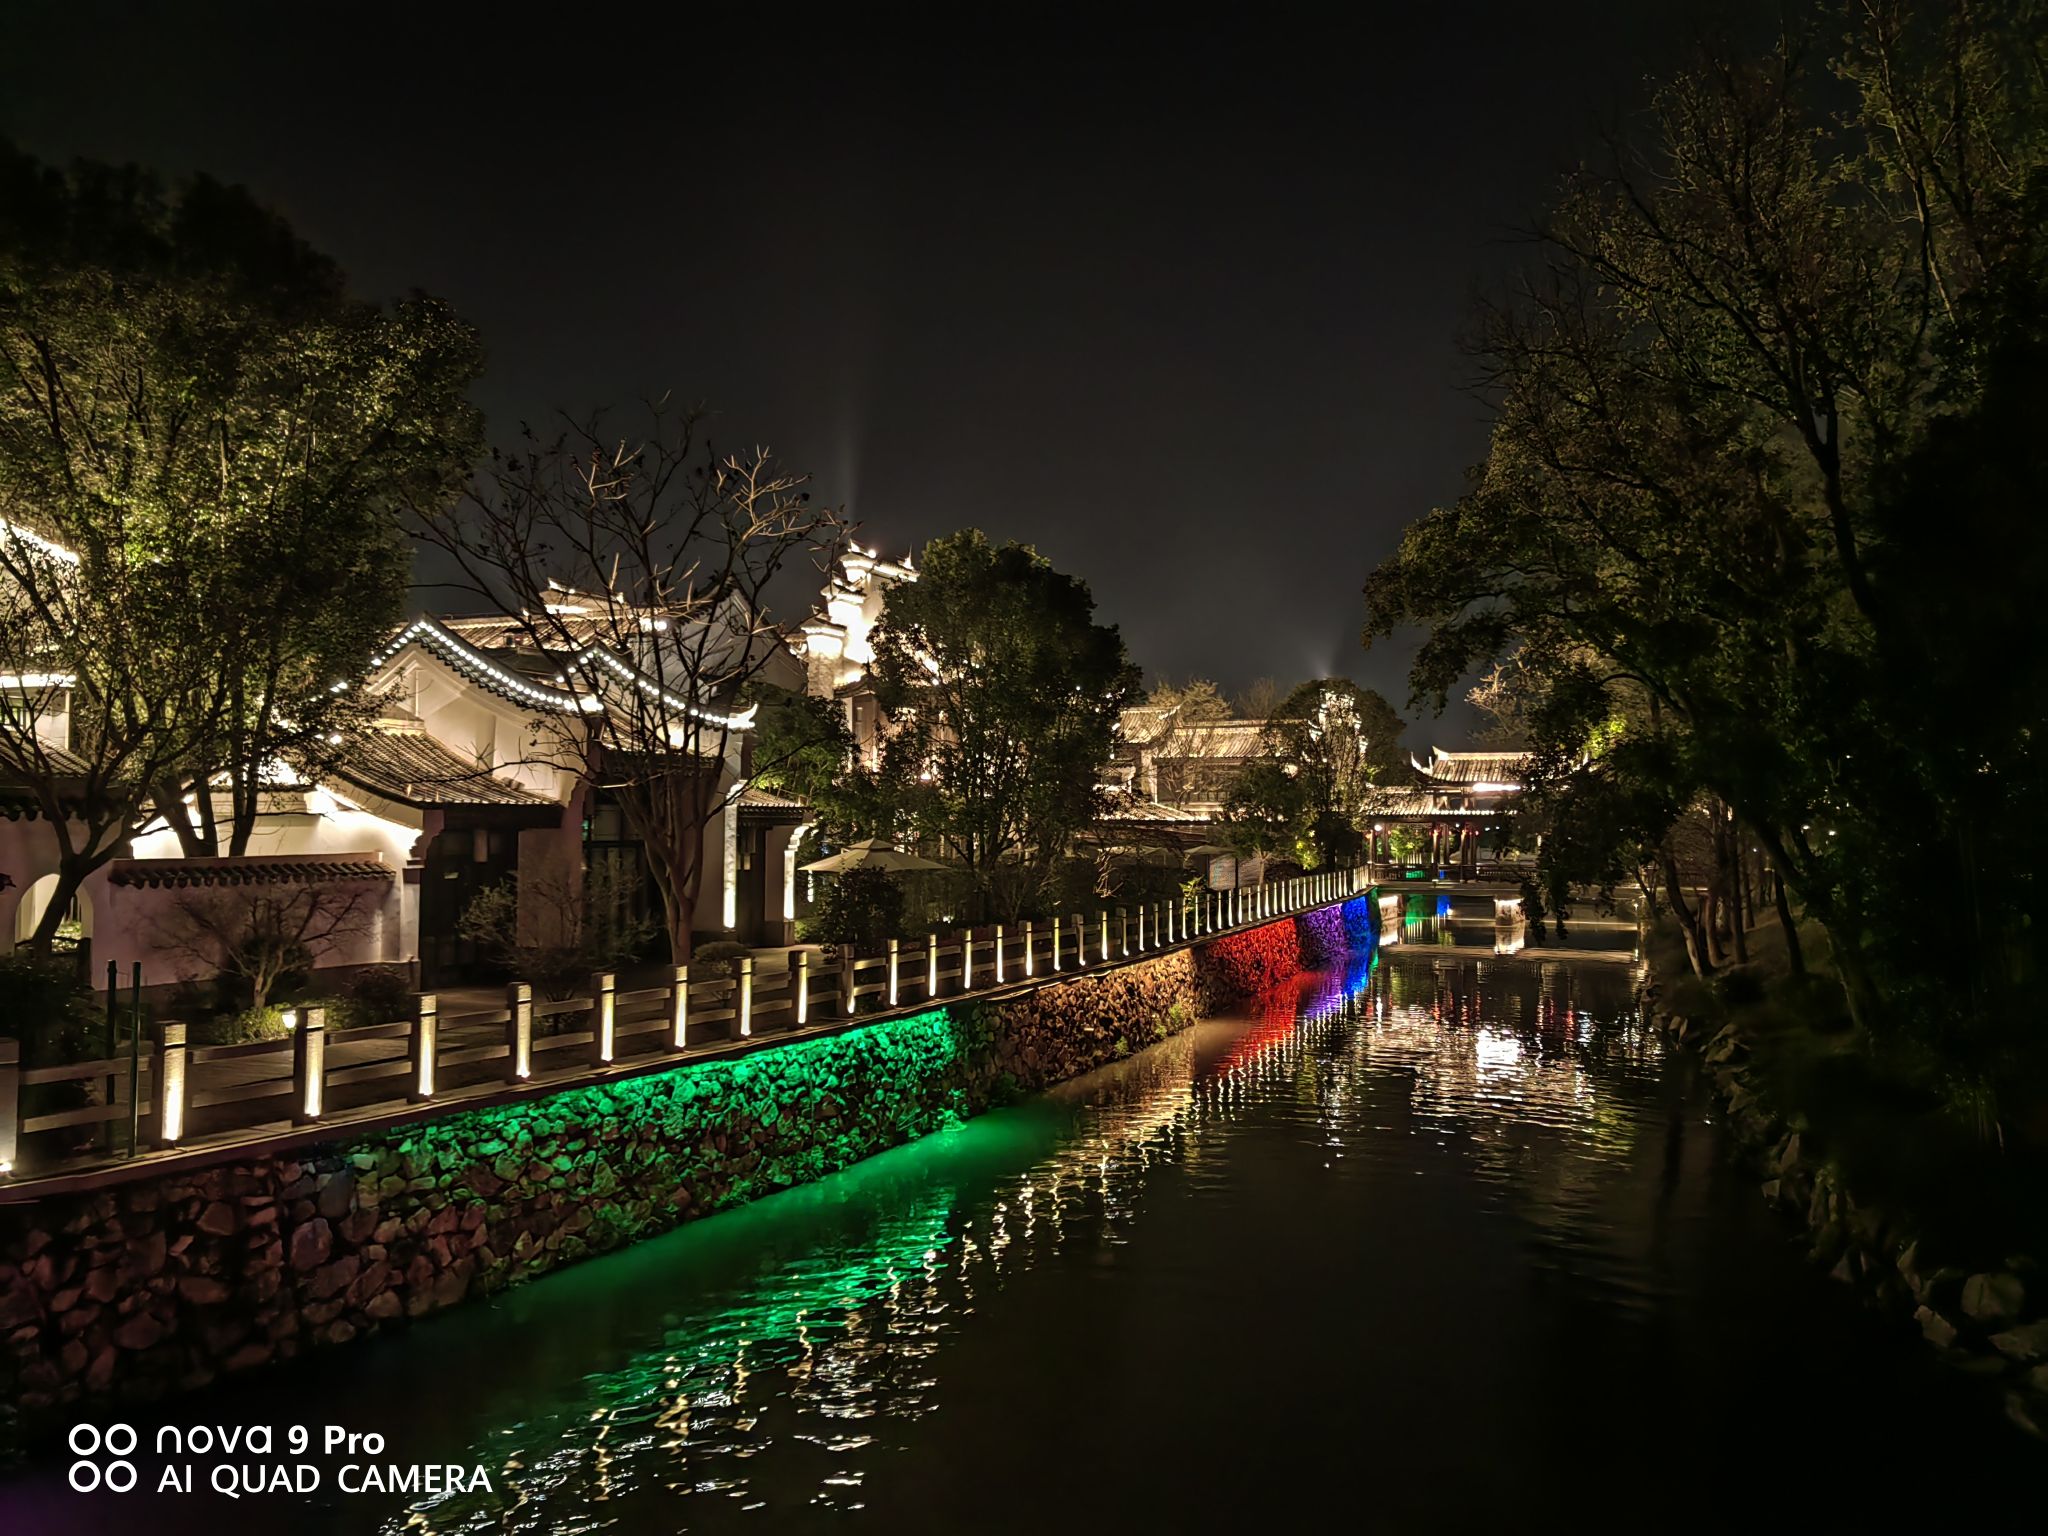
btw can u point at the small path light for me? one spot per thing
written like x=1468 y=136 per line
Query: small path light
x=167 y=1073
x=425 y=1030
x=309 y=1065
x=604 y=1017
x=519 y=1031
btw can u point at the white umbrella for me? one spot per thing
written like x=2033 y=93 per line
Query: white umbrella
x=870 y=853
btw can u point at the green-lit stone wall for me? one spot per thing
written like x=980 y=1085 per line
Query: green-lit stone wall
x=165 y=1281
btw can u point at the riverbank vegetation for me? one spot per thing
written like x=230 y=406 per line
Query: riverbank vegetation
x=1752 y=550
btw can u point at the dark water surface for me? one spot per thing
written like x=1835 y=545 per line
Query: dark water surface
x=1451 y=1245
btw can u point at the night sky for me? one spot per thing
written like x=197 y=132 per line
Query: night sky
x=1181 y=308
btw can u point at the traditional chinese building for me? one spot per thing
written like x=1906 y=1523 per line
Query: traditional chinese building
x=464 y=778
x=1460 y=797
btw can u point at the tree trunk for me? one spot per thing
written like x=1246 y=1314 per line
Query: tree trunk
x=71 y=873
x=1688 y=920
x=1795 y=957
x=195 y=839
x=1731 y=867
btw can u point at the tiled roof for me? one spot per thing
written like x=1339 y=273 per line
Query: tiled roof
x=413 y=768
x=1151 y=811
x=1417 y=800
x=752 y=798
x=62 y=761
x=254 y=869
x=1475 y=767
x=514 y=676
x=484 y=671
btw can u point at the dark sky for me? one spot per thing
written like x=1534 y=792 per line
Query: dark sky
x=1179 y=307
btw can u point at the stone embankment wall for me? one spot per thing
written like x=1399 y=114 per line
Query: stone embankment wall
x=1992 y=1322
x=163 y=1282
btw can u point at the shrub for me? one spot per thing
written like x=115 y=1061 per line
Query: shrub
x=567 y=933
x=862 y=907
x=264 y=1023
x=383 y=993
x=1740 y=986
x=708 y=962
x=57 y=1022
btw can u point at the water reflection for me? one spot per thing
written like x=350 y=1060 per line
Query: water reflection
x=1454 y=1206
x=1413 y=919
x=792 y=1387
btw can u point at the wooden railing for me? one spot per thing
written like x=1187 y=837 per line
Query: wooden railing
x=180 y=1094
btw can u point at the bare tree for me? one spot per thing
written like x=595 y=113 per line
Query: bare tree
x=634 y=570
x=261 y=934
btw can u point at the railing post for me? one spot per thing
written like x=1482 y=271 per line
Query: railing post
x=518 y=1031
x=744 y=1007
x=1057 y=925
x=895 y=957
x=1102 y=947
x=10 y=1104
x=420 y=1049
x=167 y=1083
x=803 y=987
x=1080 y=941
x=999 y=954
x=603 y=1017
x=1123 y=932
x=1030 y=965
x=846 y=979
x=931 y=966
x=1141 y=926
x=309 y=1064
x=679 y=1008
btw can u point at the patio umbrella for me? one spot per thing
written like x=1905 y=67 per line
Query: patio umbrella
x=870 y=853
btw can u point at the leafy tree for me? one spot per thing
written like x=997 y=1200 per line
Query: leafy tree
x=803 y=747
x=1758 y=446
x=862 y=907
x=193 y=407
x=1004 y=695
x=1324 y=749
x=1198 y=701
x=1266 y=809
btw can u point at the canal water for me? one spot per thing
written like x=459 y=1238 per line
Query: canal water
x=1447 y=1241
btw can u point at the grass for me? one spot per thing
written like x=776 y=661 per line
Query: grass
x=1883 y=1117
